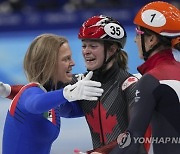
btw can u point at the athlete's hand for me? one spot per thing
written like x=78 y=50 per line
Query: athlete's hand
x=84 y=89
x=5 y=90
x=79 y=76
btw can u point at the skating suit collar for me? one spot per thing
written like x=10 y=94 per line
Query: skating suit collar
x=153 y=61
x=104 y=76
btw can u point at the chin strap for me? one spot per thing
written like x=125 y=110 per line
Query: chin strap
x=108 y=60
x=146 y=54
x=98 y=71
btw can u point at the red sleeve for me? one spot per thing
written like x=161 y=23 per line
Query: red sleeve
x=14 y=90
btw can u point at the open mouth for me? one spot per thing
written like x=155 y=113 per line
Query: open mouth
x=88 y=60
x=69 y=73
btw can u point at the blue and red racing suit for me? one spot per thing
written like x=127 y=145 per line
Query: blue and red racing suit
x=106 y=123
x=157 y=102
x=33 y=120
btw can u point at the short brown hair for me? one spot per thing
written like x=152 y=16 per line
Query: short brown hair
x=40 y=61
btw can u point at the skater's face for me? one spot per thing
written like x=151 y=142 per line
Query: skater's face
x=65 y=64
x=93 y=53
x=150 y=40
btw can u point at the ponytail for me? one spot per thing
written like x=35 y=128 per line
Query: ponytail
x=120 y=56
x=122 y=59
x=176 y=43
x=177 y=47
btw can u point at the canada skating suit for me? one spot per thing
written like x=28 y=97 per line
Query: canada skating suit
x=107 y=117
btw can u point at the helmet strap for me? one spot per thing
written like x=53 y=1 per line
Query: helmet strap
x=146 y=54
x=104 y=65
x=106 y=61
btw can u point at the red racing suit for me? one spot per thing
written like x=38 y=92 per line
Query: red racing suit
x=157 y=102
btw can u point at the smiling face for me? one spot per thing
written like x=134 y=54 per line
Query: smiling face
x=48 y=59
x=93 y=53
x=65 y=64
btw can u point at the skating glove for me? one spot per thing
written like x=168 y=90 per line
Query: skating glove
x=84 y=89
x=79 y=76
x=5 y=90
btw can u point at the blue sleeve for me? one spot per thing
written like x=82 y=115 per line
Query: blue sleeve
x=71 y=110
x=36 y=101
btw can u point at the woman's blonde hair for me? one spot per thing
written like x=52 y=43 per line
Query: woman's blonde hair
x=40 y=61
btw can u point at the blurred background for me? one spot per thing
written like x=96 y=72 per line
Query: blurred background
x=22 y=20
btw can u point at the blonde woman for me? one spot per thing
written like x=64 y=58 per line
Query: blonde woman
x=33 y=120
